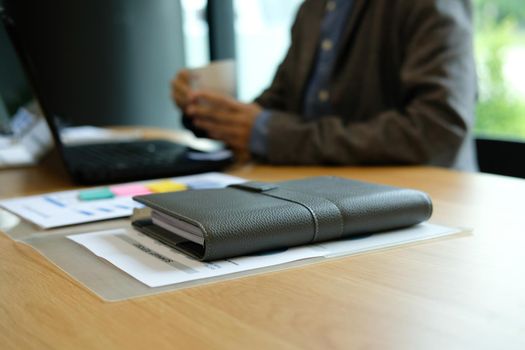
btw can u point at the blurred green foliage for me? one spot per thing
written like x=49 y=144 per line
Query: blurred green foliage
x=499 y=26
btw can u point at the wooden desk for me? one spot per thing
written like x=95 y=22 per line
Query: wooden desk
x=463 y=292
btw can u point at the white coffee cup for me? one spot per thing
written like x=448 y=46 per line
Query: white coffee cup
x=218 y=76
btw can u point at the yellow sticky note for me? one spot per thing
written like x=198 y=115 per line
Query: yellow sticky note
x=165 y=186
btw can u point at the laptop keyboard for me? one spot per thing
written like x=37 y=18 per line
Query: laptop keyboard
x=120 y=160
x=127 y=155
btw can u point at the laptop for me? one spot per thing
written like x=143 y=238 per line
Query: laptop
x=94 y=155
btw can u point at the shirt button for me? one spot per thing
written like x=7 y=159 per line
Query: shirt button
x=327 y=44
x=323 y=95
x=330 y=5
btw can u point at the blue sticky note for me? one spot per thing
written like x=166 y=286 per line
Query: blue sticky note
x=95 y=194
x=203 y=184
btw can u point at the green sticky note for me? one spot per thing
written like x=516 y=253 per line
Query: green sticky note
x=95 y=193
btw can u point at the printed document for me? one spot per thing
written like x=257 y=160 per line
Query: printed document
x=67 y=208
x=156 y=264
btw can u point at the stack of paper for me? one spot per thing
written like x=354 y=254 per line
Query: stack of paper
x=156 y=264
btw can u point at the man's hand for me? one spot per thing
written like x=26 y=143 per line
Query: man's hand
x=181 y=89
x=224 y=119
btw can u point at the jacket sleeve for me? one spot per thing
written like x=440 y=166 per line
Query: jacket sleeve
x=438 y=84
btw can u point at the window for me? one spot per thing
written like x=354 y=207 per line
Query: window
x=196 y=47
x=500 y=53
x=262 y=34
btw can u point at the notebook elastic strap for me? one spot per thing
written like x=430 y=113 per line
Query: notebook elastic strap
x=326 y=216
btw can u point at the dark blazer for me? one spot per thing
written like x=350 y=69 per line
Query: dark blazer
x=403 y=89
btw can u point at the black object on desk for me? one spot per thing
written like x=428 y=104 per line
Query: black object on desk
x=102 y=161
x=253 y=217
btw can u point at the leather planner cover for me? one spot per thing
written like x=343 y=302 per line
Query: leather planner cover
x=255 y=216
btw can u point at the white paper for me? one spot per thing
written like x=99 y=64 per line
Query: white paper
x=386 y=239
x=156 y=264
x=64 y=208
x=218 y=76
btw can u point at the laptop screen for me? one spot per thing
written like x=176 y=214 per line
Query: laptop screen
x=15 y=91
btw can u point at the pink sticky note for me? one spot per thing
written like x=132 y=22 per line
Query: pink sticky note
x=129 y=190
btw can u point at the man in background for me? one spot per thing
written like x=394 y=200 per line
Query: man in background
x=363 y=82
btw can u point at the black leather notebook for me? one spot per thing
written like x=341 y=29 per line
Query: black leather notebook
x=251 y=217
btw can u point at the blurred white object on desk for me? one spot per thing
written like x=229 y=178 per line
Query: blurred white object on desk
x=79 y=135
x=29 y=141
